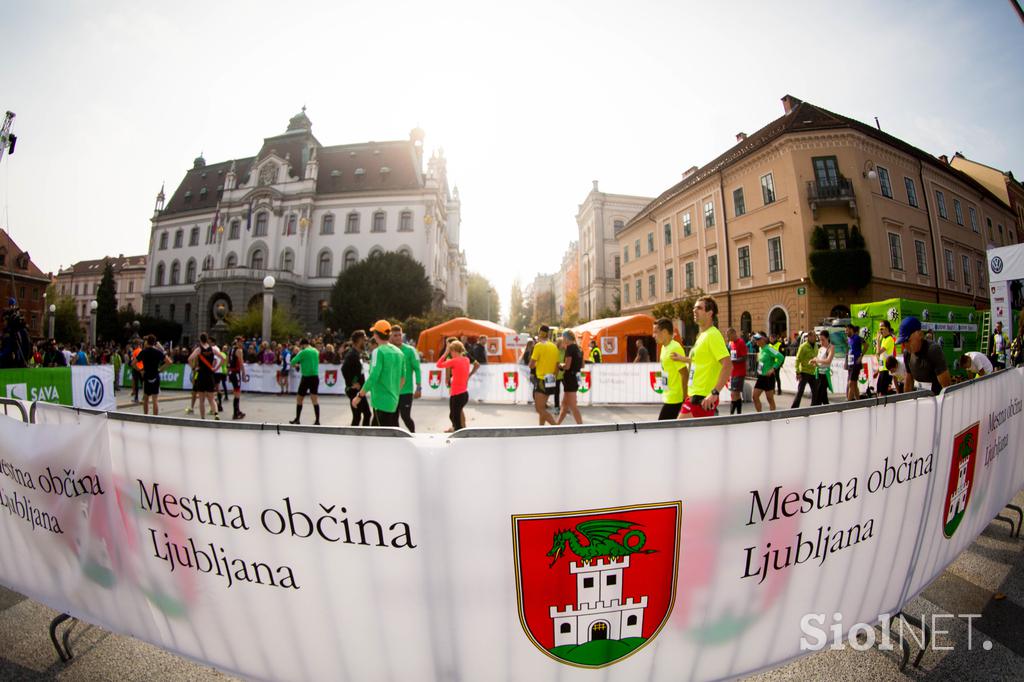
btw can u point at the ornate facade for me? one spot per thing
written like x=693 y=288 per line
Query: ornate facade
x=301 y=212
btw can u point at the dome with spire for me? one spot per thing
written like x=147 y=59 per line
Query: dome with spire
x=300 y=121
x=199 y=161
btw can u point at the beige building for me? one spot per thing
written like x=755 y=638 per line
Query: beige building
x=600 y=217
x=740 y=227
x=1000 y=183
x=81 y=281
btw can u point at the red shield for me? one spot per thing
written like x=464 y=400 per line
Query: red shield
x=961 y=478
x=584 y=382
x=510 y=380
x=657 y=382
x=330 y=377
x=596 y=586
x=434 y=378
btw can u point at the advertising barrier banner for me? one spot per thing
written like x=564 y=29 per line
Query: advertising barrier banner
x=662 y=551
x=89 y=386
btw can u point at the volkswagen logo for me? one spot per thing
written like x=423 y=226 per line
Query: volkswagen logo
x=997 y=264
x=93 y=391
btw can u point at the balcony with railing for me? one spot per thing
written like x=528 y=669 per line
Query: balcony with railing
x=257 y=275
x=836 y=193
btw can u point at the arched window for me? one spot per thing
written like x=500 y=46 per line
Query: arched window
x=565 y=628
x=159 y=281
x=405 y=222
x=291 y=225
x=208 y=263
x=778 y=322
x=178 y=237
x=287 y=260
x=840 y=311
x=231 y=261
x=350 y=259
x=193 y=237
x=258 y=260
x=376 y=251
x=323 y=264
x=190 y=271
x=261 y=224
x=405 y=251
x=175 y=272
x=379 y=219
x=746 y=324
x=352 y=223
x=631 y=620
x=327 y=224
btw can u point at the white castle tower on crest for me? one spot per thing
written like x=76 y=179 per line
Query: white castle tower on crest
x=599 y=612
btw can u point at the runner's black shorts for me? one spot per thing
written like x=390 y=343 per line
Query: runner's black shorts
x=309 y=385
x=736 y=384
x=236 y=380
x=539 y=387
x=204 y=382
x=570 y=383
x=853 y=374
x=151 y=386
x=765 y=382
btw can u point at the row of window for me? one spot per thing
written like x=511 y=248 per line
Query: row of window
x=258 y=261
x=262 y=220
x=686 y=225
x=95 y=288
x=940 y=204
x=775 y=264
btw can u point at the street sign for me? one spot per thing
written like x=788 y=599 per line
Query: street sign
x=801 y=291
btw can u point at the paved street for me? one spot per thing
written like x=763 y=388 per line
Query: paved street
x=986 y=579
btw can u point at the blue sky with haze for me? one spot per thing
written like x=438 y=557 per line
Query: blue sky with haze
x=530 y=100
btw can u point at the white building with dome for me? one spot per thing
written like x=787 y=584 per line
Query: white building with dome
x=301 y=212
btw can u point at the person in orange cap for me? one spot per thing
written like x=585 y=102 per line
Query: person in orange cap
x=387 y=372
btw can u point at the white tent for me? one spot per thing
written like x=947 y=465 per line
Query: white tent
x=1005 y=280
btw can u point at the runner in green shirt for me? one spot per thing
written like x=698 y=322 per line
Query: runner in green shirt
x=308 y=360
x=412 y=378
x=386 y=376
x=769 y=361
x=674 y=373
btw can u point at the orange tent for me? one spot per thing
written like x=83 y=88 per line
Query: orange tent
x=432 y=341
x=617 y=337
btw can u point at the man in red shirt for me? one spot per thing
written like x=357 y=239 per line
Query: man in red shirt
x=738 y=355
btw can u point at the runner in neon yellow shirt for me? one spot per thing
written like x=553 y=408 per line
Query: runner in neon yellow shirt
x=886 y=344
x=674 y=373
x=710 y=365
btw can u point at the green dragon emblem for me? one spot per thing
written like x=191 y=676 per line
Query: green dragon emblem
x=966 y=446
x=598 y=534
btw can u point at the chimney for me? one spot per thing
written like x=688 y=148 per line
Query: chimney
x=595 y=185
x=789 y=103
x=944 y=159
x=740 y=137
x=689 y=171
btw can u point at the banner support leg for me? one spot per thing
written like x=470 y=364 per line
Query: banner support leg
x=1020 y=517
x=928 y=636
x=65 y=652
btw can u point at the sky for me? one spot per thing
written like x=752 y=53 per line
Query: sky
x=530 y=101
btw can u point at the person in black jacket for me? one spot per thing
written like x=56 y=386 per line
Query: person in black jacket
x=352 y=371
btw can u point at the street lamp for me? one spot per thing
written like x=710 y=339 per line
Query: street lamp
x=268 y=304
x=92 y=322
x=53 y=316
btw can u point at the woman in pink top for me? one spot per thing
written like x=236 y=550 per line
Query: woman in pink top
x=455 y=359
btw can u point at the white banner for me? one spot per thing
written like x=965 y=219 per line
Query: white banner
x=347 y=554
x=93 y=386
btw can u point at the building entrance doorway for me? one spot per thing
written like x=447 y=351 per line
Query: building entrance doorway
x=599 y=630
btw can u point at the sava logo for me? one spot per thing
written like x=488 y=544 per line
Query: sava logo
x=93 y=391
x=46 y=394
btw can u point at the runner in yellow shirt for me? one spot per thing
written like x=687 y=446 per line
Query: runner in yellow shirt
x=674 y=373
x=544 y=363
x=710 y=365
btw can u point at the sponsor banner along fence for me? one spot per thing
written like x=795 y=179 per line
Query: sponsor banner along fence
x=664 y=551
x=90 y=386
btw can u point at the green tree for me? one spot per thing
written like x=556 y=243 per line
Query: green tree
x=544 y=312
x=518 y=318
x=389 y=286
x=163 y=330
x=66 y=327
x=250 y=323
x=107 y=328
x=481 y=299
